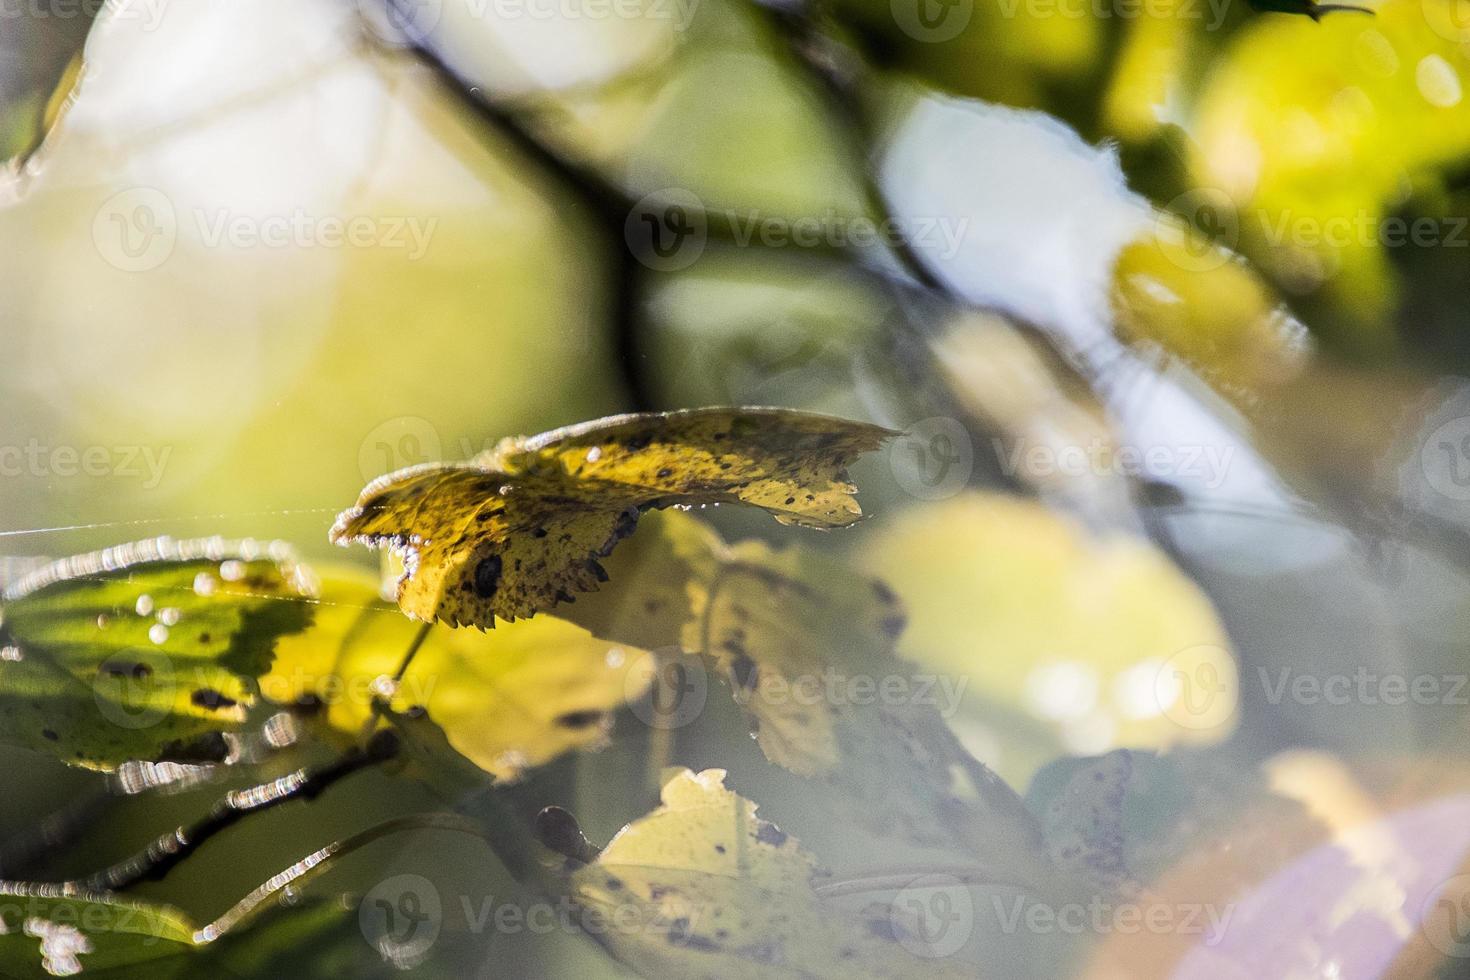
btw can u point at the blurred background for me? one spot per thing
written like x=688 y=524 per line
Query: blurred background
x=1171 y=298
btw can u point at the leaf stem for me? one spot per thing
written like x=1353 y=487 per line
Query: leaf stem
x=412 y=651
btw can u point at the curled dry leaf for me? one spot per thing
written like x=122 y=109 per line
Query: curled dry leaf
x=523 y=527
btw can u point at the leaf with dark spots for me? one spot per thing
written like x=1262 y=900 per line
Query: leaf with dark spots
x=146 y=651
x=212 y=700
x=703 y=849
x=537 y=509
x=769 y=833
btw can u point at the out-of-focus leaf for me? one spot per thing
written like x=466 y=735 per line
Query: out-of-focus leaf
x=1021 y=54
x=1083 y=823
x=702 y=887
x=724 y=116
x=1100 y=640
x=1199 y=303
x=654 y=579
x=46 y=934
x=40 y=62
x=1145 y=815
x=1316 y=132
x=507 y=700
x=519 y=529
x=145 y=651
x=806 y=647
x=762 y=327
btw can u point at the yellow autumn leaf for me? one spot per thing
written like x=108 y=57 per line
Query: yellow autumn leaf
x=521 y=528
x=507 y=700
x=1097 y=641
x=805 y=645
x=702 y=887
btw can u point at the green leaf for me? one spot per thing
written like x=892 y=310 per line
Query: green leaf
x=40 y=63
x=144 y=651
x=49 y=934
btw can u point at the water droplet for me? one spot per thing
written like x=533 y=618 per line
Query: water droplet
x=232 y=570
x=615 y=657
x=144 y=605
x=594 y=454
x=61 y=945
x=205 y=584
x=103 y=621
x=11 y=654
x=169 y=616
x=158 y=633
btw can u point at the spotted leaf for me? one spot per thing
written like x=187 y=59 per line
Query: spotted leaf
x=144 y=651
x=522 y=527
x=703 y=887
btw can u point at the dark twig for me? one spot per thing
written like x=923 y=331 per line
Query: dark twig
x=161 y=856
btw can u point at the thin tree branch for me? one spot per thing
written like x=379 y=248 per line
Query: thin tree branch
x=170 y=849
